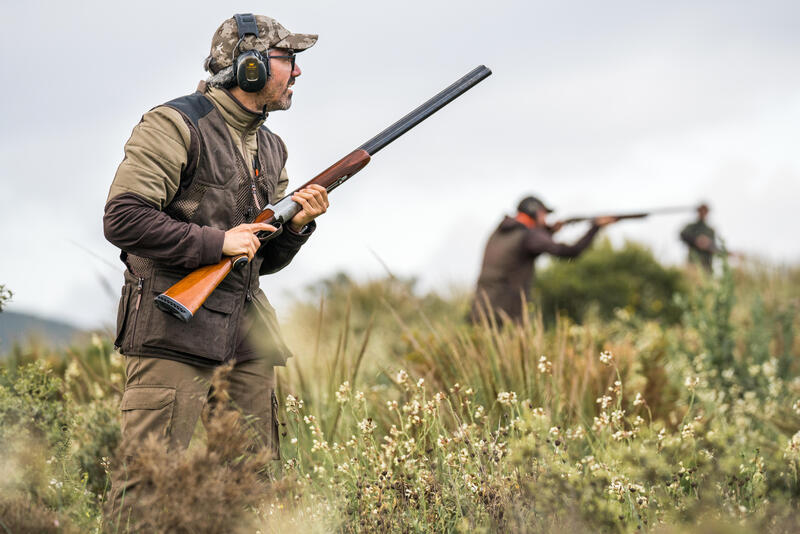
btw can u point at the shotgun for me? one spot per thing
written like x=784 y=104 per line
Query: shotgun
x=640 y=215
x=186 y=296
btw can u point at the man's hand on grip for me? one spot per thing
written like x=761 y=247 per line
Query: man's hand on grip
x=242 y=239
x=314 y=201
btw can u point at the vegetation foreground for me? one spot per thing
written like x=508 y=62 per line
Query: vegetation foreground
x=397 y=416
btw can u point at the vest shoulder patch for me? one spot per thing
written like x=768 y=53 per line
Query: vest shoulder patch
x=195 y=106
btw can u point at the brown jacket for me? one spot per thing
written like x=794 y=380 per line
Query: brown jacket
x=508 y=265
x=188 y=175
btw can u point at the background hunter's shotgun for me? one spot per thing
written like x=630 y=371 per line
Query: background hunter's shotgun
x=640 y=215
x=185 y=297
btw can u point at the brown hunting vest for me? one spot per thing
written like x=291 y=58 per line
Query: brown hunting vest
x=216 y=189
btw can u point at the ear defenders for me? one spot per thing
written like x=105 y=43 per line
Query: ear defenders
x=249 y=68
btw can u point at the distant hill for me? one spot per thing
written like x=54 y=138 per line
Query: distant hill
x=21 y=327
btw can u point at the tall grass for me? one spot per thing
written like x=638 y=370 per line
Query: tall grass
x=399 y=417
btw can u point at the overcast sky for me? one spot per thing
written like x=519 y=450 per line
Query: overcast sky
x=594 y=106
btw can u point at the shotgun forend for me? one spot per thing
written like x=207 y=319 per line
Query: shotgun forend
x=187 y=295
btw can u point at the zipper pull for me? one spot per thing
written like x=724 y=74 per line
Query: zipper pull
x=253 y=183
x=139 y=292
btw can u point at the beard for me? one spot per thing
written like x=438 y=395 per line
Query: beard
x=277 y=98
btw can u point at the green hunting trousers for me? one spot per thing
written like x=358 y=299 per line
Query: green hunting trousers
x=166 y=398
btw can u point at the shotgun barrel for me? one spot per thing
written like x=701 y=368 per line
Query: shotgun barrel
x=639 y=215
x=186 y=296
x=434 y=104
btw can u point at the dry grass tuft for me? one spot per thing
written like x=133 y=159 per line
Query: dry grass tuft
x=20 y=514
x=208 y=489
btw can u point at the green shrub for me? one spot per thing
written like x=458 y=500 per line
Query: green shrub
x=32 y=402
x=603 y=279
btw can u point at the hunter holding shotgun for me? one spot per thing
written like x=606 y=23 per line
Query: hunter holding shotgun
x=512 y=249
x=197 y=171
x=701 y=240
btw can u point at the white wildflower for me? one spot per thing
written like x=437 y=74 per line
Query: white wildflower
x=691 y=382
x=293 y=404
x=688 y=430
x=545 y=366
x=367 y=425
x=604 y=401
x=507 y=398
x=343 y=395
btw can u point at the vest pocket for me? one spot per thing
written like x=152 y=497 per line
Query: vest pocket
x=208 y=334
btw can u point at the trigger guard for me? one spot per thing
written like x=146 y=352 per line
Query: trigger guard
x=264 y=236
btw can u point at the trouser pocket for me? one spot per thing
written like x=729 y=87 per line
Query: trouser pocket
x=147 y=410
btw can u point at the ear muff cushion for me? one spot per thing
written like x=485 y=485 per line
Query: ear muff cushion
x=251 y=71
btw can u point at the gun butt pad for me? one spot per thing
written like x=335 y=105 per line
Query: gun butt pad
x=173 y=307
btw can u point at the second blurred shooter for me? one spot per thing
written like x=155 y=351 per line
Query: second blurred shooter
x=508 y=261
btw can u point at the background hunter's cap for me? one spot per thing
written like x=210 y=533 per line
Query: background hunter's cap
x=270 y=35
x=530 y=205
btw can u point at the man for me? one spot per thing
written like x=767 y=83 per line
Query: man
x=508 y=262
x=701 y=239
x=196 y=172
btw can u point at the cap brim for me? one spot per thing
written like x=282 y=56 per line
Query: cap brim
x=297 y=41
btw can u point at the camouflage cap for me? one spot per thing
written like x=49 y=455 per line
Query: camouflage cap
x=270 y=35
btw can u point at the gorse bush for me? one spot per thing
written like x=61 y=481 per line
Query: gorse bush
x=394 y=420
x=603 y=280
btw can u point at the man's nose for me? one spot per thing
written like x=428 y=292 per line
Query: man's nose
x=296 y=71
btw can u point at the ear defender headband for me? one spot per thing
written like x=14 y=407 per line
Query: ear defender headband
x=249 y=68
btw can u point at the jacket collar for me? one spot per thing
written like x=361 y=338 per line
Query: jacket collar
x=235 y=114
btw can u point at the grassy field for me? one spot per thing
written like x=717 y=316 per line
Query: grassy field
x=399 y=417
